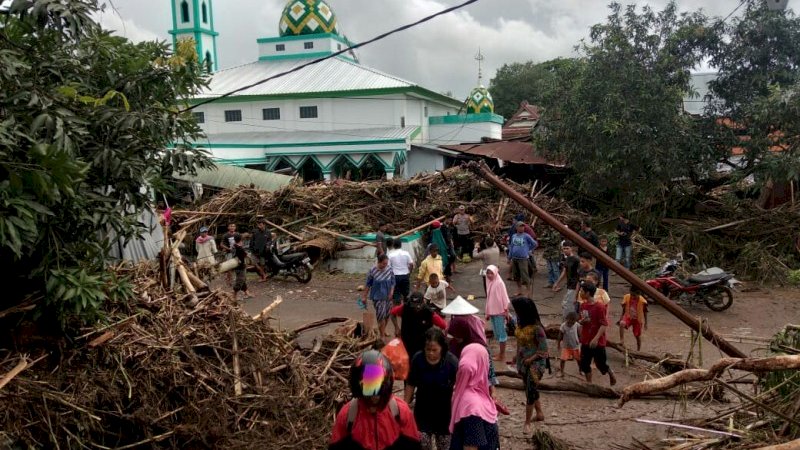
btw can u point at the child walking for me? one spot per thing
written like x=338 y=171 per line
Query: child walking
x=634 y=315
x=531 y=359
x=568 y=335
x=594 y=321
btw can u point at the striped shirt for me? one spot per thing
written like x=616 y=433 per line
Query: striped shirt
x=380 y=282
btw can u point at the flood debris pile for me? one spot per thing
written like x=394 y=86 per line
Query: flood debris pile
x=317 y=211
x=161 y=373
x=765 y=413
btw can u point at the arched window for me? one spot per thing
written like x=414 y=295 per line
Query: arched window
x=204 y=12
x=184 y=11
x=209 y=64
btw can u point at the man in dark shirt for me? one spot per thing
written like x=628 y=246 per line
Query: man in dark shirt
x=569 y=273
x=259 y=239
x=588 y=234
x=228 y=245
x=625 y=230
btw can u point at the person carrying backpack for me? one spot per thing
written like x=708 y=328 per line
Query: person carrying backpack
x=374 y=419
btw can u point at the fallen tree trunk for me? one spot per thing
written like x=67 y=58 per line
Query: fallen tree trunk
x=592 y=390
x=771 y=364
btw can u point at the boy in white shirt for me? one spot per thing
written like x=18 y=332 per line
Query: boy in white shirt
x=436 y=294
x=402 y=265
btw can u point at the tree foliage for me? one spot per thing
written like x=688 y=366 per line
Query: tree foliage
x=85 y=121
x=539 y=84
x=756 y=90
x=621 y=126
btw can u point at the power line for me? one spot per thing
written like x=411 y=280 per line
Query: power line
x=333 y=55
x=732 y=12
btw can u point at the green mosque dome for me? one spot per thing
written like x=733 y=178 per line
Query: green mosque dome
x=302 y=17
x=480 y=101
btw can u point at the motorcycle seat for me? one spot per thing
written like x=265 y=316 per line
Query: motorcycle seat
x=699 y=279
x=292 y=257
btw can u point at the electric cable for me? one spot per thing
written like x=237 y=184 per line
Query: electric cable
x=333 y=55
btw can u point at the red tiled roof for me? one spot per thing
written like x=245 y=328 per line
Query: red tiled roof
x=525 y=113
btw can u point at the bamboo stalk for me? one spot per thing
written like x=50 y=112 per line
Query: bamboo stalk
x=274 y=225
x=423 y=226
x=343 y=236
x=237 y=370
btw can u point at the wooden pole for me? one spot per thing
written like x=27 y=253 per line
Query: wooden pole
x=692 y=322
x=421 y=227
x=274 y=225
x=343 y=236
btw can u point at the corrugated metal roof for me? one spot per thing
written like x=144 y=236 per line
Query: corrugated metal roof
x=224 y=176
x=311 y=137
x=519 y=152
x=330 y=75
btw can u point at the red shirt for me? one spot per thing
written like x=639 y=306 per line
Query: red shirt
x=437 y=319
x=596 y=318
x=369 y=427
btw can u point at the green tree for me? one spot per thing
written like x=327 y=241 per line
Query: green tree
x=539 y=84
x=756 y=89
x=621 y=127
x=86 y=119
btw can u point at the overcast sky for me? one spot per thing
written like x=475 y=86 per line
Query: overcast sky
x=438 y=55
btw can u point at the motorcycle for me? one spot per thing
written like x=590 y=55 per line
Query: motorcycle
x=297 y=265
x=712 y=286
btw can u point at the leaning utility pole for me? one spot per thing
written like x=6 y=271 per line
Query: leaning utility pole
x=483 y=170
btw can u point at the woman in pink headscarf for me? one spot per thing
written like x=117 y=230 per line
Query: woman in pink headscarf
x=497 y=303
x=473 y=422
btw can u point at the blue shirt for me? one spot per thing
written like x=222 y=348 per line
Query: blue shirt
x=520 y=246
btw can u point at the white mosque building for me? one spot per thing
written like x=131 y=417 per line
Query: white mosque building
x=335 y=119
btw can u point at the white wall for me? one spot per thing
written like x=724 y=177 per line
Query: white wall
x=294 y=47
x=421 y=161
x=334 y=114
x=181 y=24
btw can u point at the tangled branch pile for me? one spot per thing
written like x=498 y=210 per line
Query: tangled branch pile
x=169 y=375
x=769 y=416
x=354 y=208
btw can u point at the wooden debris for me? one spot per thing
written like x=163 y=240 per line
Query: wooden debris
x=773 y=363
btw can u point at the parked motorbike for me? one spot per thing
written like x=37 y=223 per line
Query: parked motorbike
x=296 y=265
x=712 y=286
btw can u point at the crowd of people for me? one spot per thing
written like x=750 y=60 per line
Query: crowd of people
x=448 y=400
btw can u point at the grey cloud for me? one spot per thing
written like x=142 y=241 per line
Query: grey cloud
x=438 y=55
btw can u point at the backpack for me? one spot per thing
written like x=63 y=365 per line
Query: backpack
x=352 y=413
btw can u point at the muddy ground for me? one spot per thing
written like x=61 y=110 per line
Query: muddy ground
x=586 y=423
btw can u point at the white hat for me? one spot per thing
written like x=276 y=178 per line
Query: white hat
x=460 y=307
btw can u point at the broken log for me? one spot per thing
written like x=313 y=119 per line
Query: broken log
x=770 y=364
x=265 y=312
x=692 y=322
x=592 y=390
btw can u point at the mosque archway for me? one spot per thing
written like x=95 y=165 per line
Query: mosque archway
x=311 y=171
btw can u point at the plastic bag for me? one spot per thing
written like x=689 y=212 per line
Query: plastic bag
x=396 y=352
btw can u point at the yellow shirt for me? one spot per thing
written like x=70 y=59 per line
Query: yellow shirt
x=634 y=311
x=428 y=266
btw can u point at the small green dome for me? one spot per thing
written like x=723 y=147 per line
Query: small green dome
x=480 y=101
x=307 y=17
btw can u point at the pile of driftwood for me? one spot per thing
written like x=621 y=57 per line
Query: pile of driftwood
x=164 y=372
x=754 y=243
x=323 y=213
